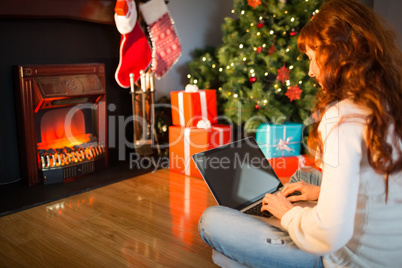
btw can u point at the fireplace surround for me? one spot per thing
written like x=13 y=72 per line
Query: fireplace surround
x=62 y=123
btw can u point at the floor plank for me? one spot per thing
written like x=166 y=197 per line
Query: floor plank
x=146 y=221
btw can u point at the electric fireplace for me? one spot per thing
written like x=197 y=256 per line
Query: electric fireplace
x=61 y=112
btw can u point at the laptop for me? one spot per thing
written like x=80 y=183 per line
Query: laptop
x=238 y=175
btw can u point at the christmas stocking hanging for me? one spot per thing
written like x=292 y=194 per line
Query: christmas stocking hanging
x=135 y=51
x=166 y=48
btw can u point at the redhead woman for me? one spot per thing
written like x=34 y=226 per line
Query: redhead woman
x=357 y=139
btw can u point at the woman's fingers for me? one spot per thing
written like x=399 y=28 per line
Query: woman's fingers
x=290 y=188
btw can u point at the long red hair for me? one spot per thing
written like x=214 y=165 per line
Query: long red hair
x=359 y=59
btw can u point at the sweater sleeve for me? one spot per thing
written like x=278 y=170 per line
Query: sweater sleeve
x=329 y=225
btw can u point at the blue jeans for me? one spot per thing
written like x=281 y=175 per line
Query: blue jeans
x=245 y=240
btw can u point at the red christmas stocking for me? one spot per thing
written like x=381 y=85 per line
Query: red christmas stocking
x=135 y=51
x=166 y=48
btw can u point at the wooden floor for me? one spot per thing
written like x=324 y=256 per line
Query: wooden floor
x=146 y=221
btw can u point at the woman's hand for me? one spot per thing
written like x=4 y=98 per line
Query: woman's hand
x=308 y=191
x=277 y=204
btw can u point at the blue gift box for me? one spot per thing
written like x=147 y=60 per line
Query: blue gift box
x=280 y=140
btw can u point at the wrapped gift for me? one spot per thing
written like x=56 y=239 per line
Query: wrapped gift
x=287 y=166
x=186 y=141
x=192 y=105
x=280 y=140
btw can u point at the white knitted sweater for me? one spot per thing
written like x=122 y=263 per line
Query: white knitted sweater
x=351 y=225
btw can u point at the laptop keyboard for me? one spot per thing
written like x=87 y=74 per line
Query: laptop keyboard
x=256 y=211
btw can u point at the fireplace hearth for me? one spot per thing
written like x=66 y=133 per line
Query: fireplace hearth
x=62 y=121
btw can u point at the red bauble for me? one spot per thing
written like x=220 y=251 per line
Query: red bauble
x=259 y=49
x=260 y=24
x=271 y=50
x=293 y=33
x=252 y=79
x=257 y=107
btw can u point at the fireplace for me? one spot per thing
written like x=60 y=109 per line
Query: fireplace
x=61 y=113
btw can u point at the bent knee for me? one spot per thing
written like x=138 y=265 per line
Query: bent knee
x=213 y=217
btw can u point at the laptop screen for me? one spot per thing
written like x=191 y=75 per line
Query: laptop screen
x=238 y=174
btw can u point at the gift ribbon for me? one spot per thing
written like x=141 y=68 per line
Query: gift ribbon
x=187 y=154
x=187 y=151
x=283 y=144
x=203 y=103
x=181 y=110
x=220 y=131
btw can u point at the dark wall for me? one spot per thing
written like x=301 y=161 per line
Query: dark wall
x=51 y=41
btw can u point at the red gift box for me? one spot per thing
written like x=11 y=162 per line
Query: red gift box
x=287 y=166
x=190 y=107
x=186 y=141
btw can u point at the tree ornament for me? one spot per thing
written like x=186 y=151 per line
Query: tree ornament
x=259 y=49
x=293 y=32
x=271 y=50
x=293 y=93
x=252 y=79
x=260 y=24
x=257 y=107
x=254 y=3
x=283 y=74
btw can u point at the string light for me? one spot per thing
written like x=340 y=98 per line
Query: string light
x=241 y=46
x=235 y=96
x=189 y=76
x=204 y=59
x=271 y=32
x=195 y=81
x=242 y=12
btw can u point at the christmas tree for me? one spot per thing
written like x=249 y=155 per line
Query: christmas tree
x=258 y=71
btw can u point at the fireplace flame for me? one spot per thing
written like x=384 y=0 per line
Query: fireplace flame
x=58 y=147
